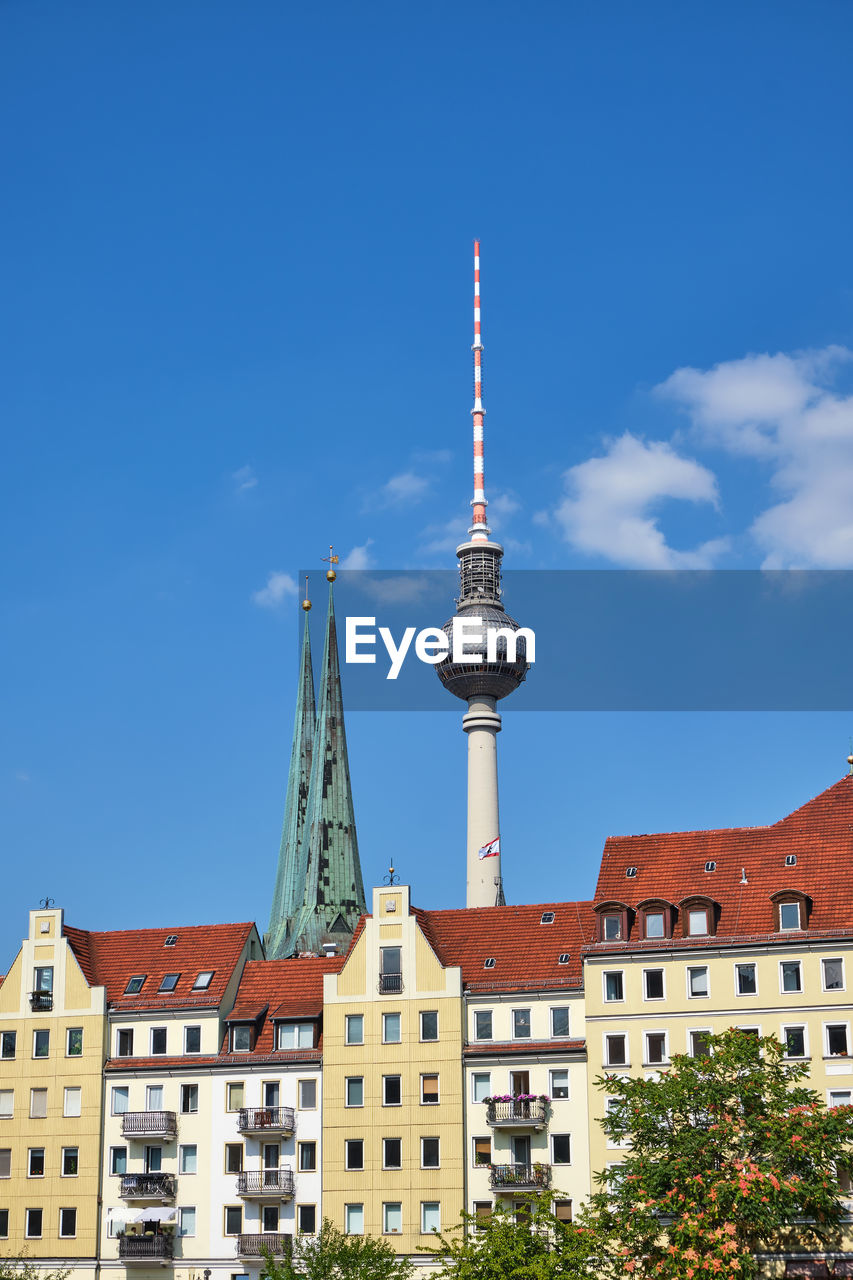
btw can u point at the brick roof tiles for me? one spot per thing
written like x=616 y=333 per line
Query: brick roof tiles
x=281 y=990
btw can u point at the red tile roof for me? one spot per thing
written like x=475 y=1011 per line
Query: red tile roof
x=274 y=990
x=110 y=959
x=671 y=866
x=526 y=952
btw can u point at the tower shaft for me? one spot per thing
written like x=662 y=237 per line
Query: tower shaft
x=479 y=531
x=482 y=724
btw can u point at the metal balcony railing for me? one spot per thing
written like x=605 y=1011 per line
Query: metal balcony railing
x=519 y=1113
x=41 y=1001
x=265 y=1182
x=252 y=1119
x=255 y=1245
x=148 y=1186
x=390 y=983
x=145 y=1248
x=149 y=1124
x=520 y=1177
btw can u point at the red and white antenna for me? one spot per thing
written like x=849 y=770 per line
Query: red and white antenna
x=479 y=531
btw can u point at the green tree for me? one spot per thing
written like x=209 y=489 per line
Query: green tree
x=20 y=1266
x=531 y=1245
x=332 y=1255
x=728 y=1153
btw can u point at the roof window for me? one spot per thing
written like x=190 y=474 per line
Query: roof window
x=630 y=872
x=547 y=917
x=563 y=957
x=134 y=984
x=489 y=962
x=202 y=981
x=170 y=981
x=790 y=859
x=710 y=866
x=171 y=940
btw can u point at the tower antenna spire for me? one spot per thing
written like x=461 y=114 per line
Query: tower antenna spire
x=479 y=531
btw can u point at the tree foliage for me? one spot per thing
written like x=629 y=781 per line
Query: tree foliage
x=728 y=1153
x=21 y=1266
x=332 y=1255
x=531 y=1245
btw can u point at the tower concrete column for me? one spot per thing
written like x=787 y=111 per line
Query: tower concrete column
x=482 y=723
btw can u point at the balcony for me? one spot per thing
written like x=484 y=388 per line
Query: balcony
x=263 y=1184
x=41 y=1001
x=266 y=1120
x=520 y=1177
x=256 y=1245
x=517 y=1113
x=390 y=983
x=157 y=1248
x=149 y=1124
x=148 y=1186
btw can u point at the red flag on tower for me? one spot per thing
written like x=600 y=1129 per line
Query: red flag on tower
x=490 y=850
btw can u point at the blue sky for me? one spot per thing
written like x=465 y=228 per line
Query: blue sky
x=236 y=325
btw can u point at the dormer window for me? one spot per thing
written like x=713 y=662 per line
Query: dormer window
x=612 y=927
x=656 y=918
x=241 y=1038
x=791 y=910
x=699 y=916
x=654 y=922
x=697 y=921
x=789 y=915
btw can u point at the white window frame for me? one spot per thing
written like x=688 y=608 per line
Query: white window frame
x=835 y=1022
x=614 y=1144
x=745 y=995
x=62 y=1172
x=563 y=1070
x=475 y=1034
x=840 y=960
x=188 y=1208
x=656 y=1031
x=478 y=1075
x=151 y=1052
x=691 y=1031
x=605 y=973
x=529 y=1012
x=424 y=1075
x=348 y=1020
x=790 y=928
x=348 y=1230
x=431 y=1138
x=559 y=1008
x=41 y=1031
x=431 y=1039
x=800 y=989
x=695 y=968
x=698 y=933
x=392 y=1075
x=392 y=1013
x=65 y=1235
x=192 y=1027
x=71 y=1091
x=796 y=1026
x=563 y=1164
x=655 y=968
x=397 y=1167
x=8 y=1115
x=428 y=1231
x=347 y=1103
x=391 y=1204
x=606 y=1052
x=183 y=1147
x=353 y=1168
x=830 y=1092
x=297 y=1028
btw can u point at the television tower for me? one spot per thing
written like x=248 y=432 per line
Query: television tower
x=482 y=683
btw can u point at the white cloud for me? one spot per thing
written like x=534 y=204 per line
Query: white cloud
x=609 y=507
x=408 y=487
x=502 y=506
x=244 y=479
x=783 y=410
x=279 y=587
x=359 y=557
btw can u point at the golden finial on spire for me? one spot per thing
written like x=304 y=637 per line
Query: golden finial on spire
x=306 y=603
x=331 y=559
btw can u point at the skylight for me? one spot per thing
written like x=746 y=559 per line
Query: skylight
x=135 y=984
x=489 y=963
x=790 y=859
x=563 y=958
x=202 y=982
x=547 y=917
x=710 y=866
x=170 y=981
x=171 y=940
x=631 y=872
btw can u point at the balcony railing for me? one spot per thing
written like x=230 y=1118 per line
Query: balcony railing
x=519 y=1113
x=146 y=1248
x=266 y=1119
x=41 y=1001
x=254 y=1246
x=149 y=1124
x=520 y=1177
x=265 y=1182
x=148 y=1186
x=390 y=983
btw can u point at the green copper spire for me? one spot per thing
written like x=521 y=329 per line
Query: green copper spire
x=291 y=872
x=332 y=891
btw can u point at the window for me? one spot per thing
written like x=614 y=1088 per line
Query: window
x=789 y=915
x=70 y=1162
x=833 y=975
x=836 y=1039
x=296 y=1035
x=171 y=940
x=153 y=1159
x=790 y=859
x=67 y=1223
x=72 y=1102
x=653 y=984
x=481 y=1083
x=355 y=1028
x=615 y=1050
x=392 y=1153
x=563 y=957
x=41 y=1044
x=697 y=981
x=429 y=1089
x=483 y=1024
x=4 y=1224
x=429 y=1153
x=840 y=1097
x=430 y=1216
x=795 y=1042
x=308 y=1156
x=613 y=986
x=561 y=1148
x=354 y=1219
x=234 y=1096
x=241 y=1039
x=202 y=981
x=170 y=981
x=655 y=1047
x=547 y=917
x=74 y=1042
x=158 y=1041
x=38 y=1104
x=269 y=1217
x=354 y=1152
x=188 y=1158
x=392 y=1093
x=34 y=1217
x=611 y=926
x=35 y=1162
x=560 y=1021
x=5 y=1162
x=154 y=1097
x=7 y=1103
x=43 y=980
x=710 y=866
x=306 y=1219
x=189 y=1099
x=791 y=976
x=482 y=1151
x=135 y=984
x=118 y=1159
x=489 y=962
x=390 y=969
x=124 y=1043
x=392 y=1218
x=233 y=1157
x=482 y=1214
x=192 y=1039
x=697 y=921
x=559 y=1084
x=121 y=1099
x=8 y=1041
x=390 y=1028
x=563 y=1210
x=233 y=1219
x=746 y=982
x=307 y=1095
x=429 y=1024
x=186 y=1221
x=521 y=1024
x=354 y=1091
x=655 y=925
x=699 y=1044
